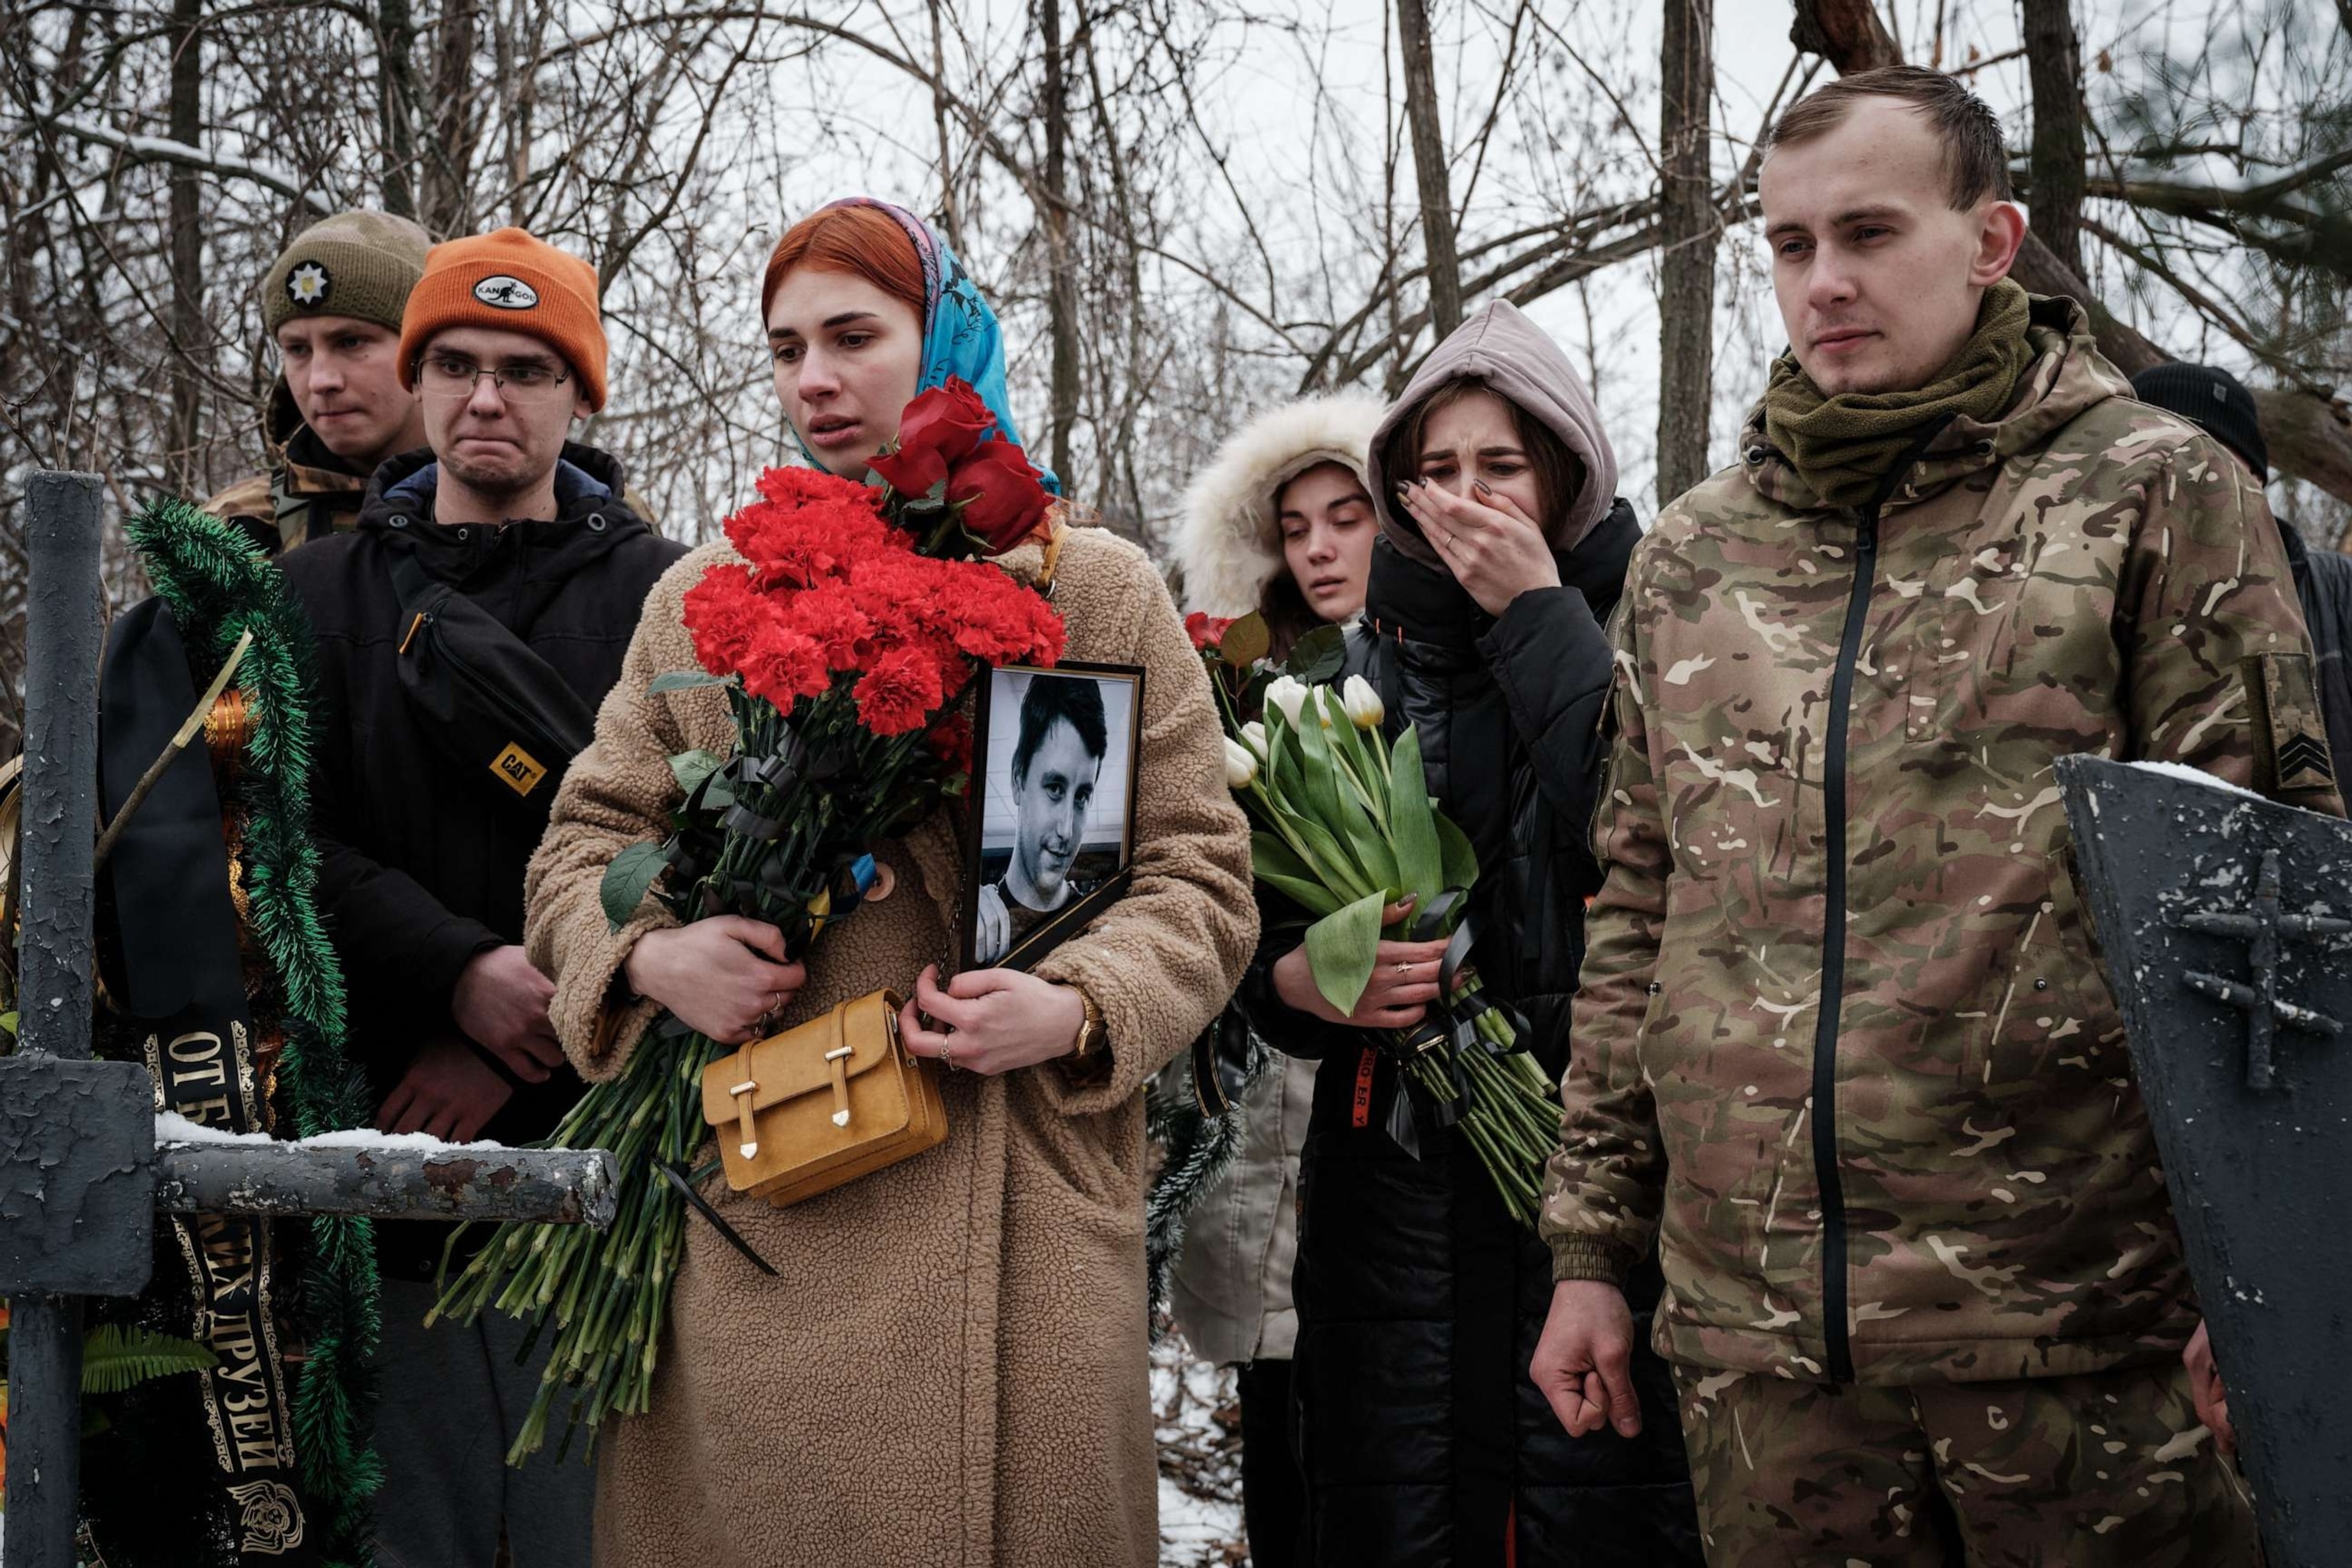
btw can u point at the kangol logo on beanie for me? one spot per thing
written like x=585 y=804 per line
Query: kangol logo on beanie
x=505 y=293
x=509 y=281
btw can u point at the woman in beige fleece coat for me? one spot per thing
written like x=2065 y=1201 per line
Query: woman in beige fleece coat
x=950 y=1365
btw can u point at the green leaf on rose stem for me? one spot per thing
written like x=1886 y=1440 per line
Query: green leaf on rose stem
x=1341 y=948
x=1246 y=641
x=633 y=872
x=690 y=768
x=1461 y=861
x=1278 y=866
x=682 y=680
x=1412 y=825
x=1317 y=655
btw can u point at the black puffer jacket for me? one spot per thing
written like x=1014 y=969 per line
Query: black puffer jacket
x=2322 y=581
x=1419 y=1299
x=421 y=868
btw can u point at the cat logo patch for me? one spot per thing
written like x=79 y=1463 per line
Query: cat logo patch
x=308 y=285
x=517 y=769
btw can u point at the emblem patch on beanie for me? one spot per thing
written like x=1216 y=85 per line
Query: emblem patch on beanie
x=308 y=285
x=504 y=294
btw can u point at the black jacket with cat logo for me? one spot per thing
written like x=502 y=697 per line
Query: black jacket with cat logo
x=422 y=858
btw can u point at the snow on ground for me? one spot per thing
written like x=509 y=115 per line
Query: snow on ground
x=1199 y=1459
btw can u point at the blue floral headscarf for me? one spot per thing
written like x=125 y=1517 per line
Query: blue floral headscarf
x=960 y=337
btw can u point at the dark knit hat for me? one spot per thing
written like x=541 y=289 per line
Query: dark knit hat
x=2215 y=401
x=356 y=264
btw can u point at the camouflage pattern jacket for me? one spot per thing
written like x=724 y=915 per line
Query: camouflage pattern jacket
x=309 y=492
x=1833 y=778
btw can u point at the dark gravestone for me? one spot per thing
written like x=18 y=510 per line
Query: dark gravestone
x=2225 y=924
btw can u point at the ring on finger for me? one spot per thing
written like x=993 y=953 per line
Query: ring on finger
x=947 y=1057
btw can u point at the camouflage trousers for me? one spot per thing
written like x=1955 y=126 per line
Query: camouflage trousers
x=2104 y=1470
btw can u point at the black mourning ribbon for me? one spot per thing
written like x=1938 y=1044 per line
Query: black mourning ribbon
x=734 y=1238
x=1455 y=1018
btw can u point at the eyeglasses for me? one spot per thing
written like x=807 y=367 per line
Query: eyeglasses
x=447 y=375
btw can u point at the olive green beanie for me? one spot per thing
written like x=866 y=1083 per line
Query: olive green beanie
x=356 y=264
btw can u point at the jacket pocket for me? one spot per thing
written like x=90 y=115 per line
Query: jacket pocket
x=2054 y=1018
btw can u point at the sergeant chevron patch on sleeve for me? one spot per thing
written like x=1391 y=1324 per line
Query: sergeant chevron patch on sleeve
x=2290 y=735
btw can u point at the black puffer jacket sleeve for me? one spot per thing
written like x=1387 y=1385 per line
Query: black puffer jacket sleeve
x=1550 y=659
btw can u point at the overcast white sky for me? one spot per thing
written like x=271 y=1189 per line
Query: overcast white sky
x=1260 y=95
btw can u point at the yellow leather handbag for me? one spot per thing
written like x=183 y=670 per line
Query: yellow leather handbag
x=823 y=1103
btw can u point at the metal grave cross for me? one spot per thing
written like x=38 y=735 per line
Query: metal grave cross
x=2262 y=928
x=2257 y=1177
x=82 y=1176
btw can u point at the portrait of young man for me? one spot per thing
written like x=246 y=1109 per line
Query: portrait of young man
x=1054 y=810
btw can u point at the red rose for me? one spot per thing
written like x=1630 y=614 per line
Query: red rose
x=997 y=496
x=939 y=427
x=1206 y=631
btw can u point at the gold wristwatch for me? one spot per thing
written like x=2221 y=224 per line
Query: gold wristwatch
x=1094 y=1039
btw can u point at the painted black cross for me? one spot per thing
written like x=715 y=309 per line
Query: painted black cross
x=2264 y=930
x=82 y=1176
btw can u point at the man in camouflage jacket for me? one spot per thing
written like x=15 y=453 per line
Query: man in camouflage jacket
x=1923 y=1295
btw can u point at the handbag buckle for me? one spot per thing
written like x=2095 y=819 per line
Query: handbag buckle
x=838 y=1055
x=749 y=1137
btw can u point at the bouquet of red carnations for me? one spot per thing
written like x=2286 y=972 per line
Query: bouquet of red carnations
x=843 y=639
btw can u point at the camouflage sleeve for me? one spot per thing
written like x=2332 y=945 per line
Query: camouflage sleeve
x=2221 y=670
x=1603 y=1187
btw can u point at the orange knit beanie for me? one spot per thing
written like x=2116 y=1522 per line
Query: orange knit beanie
x=510 y=282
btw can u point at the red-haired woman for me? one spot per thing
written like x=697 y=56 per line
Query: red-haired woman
x=950 y=1365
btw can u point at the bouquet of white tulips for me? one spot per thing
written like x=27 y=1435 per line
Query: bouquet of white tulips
x=1344 y=827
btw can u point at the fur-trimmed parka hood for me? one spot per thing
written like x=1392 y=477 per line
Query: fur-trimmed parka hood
x=1227 y=545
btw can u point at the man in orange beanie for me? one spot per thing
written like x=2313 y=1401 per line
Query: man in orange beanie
x=467 y=629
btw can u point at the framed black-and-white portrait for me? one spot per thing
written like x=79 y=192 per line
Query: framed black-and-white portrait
x=1054 y=754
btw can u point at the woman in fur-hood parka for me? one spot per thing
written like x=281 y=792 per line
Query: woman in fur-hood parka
x=1251 y=539
x=1229 y=544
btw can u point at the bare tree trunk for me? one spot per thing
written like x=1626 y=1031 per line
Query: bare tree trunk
x=445 y=181
x=2054 y=65
x=1061 y=300
x=2309 y=436
x=1686 y=270
x=940 y=126
x=189 y=336
x=1428 y=166
x=395 y=38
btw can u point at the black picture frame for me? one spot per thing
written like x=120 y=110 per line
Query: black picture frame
x=1013 y=934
